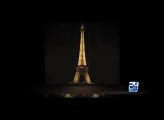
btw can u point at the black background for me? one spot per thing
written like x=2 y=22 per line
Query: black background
x=28 y=35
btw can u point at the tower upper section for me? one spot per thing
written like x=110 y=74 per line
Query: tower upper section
x=82 y=58
x=82 y=28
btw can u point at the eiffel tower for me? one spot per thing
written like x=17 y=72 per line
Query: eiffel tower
x=82 y=75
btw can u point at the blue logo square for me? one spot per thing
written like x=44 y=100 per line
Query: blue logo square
x=133 y=86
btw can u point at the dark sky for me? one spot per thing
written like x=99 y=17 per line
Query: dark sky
x=62 y=41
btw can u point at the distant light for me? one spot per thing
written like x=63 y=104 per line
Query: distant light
x=95 y=95
x=68 y=96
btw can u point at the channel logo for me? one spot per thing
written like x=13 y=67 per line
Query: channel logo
x=133 y=86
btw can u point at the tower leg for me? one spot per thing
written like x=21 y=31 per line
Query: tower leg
x=87 y=78
x=76 y=78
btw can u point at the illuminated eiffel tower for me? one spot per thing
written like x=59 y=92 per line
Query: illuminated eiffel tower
x=82 y=75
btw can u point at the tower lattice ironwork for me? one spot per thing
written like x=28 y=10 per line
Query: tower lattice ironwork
x=82 y=75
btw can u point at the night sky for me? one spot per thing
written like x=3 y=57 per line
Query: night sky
x=62 y=41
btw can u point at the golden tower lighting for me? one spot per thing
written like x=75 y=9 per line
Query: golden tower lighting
x=82 y=75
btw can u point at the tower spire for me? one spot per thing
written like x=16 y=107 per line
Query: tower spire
x=82 y=25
